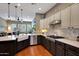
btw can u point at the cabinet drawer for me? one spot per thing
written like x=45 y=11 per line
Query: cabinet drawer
x=60 y=49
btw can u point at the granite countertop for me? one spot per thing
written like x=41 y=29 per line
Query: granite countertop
x=66 y=41
x=22 y=37
x=70 y=42
x=7 y=38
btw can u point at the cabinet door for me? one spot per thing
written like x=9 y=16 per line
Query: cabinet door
x=65 y=18
x=71 y=50
x=59 y=49
x=52 y=47
x=48 y=44
x=57 y=16
x=75 y=15
x=27 y=42
x=38 y=39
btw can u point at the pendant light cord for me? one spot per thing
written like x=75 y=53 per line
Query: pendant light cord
x=8 y=10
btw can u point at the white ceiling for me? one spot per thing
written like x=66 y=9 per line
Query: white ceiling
x=29 y=10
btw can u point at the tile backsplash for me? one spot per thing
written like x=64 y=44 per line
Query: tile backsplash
x=70 y=33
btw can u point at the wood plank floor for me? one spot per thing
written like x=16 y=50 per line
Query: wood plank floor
x=37 y=50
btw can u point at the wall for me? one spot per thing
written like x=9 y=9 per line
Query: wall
x=65 y=32
x=57 y=30
x=38 y=17
x=71 y=33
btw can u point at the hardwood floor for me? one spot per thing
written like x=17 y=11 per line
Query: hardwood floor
x=37 y=50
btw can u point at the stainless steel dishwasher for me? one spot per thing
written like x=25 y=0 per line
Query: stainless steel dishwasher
x=33 y=39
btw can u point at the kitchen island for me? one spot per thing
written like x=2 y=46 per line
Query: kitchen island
x=23 y=41
x=7 y=45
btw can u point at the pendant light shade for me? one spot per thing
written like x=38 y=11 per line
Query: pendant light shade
x=8 y=10
x=21 y=15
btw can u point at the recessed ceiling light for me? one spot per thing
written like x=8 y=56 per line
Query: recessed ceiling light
x=18 y=4
x=39 y=8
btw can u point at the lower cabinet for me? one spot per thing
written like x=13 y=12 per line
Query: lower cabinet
x=23 y=44
x=72 y=51
x=8 y=48
x=48 y=44
x=60 y=50
x=52 y=47
x=63 y=49
x=40 y=39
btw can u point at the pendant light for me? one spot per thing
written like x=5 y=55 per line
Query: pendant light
x=21 y=15
x=16 y=13
x=17 y=19
x=8 y=11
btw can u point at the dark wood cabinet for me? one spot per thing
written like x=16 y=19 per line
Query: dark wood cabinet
x=38 y=39
x=71 y=50
x=47 y=43
x=60 y=50
x=22 y=44
x=63 y=49
x=52 y=47
x=8 y=48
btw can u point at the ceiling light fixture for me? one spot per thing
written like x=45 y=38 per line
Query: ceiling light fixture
x=21 y=15
x=17 y=18
x=39 y=8
x=8 y=10
x=18 y=4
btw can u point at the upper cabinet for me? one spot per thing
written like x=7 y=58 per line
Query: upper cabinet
x=70 y=16
x=57 y=16
x=65 y=18
x=75 y=15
